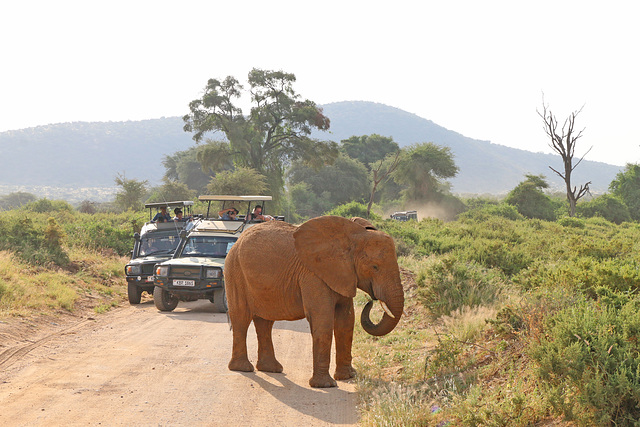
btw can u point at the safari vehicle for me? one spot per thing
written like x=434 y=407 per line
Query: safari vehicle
x=405 y=215
x=155 y=243
x=196 y=269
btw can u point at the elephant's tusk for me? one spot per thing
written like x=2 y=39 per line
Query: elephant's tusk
x=386 y=309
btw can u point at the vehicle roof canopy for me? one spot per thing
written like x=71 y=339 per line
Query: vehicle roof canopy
x=169 y=204
x=225 y=198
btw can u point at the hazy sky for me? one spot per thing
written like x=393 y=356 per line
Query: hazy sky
x=476 y=67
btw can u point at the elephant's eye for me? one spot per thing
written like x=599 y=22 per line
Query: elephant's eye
x=375 y=267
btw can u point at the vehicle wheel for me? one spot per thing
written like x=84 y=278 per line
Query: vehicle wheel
x=220 y=300
x=163 y=300
x=134 y=293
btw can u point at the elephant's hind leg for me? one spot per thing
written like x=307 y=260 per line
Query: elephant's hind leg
x=266 y=354
x=239 y=359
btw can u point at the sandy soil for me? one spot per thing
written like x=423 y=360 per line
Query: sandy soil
x=138 y=366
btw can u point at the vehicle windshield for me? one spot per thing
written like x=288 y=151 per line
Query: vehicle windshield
x=208 y=246
x=158 y=244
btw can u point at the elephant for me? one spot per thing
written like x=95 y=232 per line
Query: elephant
x=279 y=271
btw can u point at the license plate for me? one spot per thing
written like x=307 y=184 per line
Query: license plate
x=184 y=282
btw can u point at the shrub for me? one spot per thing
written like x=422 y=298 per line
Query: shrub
x=589 y=359
x=353 y=209
x=446 y=285
x=568 y=221
x=606 y=206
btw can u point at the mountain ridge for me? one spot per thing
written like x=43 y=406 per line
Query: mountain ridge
x=92 y=153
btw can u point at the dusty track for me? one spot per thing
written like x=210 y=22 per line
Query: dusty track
x=137 y=366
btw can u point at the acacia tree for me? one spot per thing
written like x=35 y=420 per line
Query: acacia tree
x=277 y=130
x=421 y=167
x=133 y=190
x=381 y=173
x=563 y=142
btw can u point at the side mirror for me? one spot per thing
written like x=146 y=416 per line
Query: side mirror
x=136 y=236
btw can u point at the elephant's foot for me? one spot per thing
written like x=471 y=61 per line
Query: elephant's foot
x=322 y=381
x=269 y=365
x=242 y=365
x=344 y=372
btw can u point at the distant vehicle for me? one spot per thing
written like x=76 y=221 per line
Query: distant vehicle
x=405 y=215
x=155 y=243
x=196 y=269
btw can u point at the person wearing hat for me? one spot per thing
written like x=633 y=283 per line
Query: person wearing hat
x=162 y=216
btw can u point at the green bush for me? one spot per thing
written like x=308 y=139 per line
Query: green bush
x=446 y=285
x=589 y=360
x=606 y=206
x=351 y=209
x=35 y=243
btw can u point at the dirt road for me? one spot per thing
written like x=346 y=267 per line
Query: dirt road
x=137 y=366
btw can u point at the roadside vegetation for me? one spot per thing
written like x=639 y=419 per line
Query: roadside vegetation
x=510 y=321
x=54 y=259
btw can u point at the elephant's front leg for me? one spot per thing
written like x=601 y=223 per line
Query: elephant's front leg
x=322 y=335
x=266 y=355
x=343 y=331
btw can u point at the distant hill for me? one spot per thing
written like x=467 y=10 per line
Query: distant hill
x=82 y=154
x=484 y=167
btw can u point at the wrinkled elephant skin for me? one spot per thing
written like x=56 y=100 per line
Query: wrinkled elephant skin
x=278 y=271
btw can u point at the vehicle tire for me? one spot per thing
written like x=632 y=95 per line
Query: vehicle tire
x=220 y=300
x=163 y=300
x=135 y=293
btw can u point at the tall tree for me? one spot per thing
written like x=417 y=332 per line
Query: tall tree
x=277 y=130
x=343 y=181
x=237 y=182
x=626 y=186
x=133 y=190
x=369 y=149
x=380 y=174
x=422 y=168
x=563 y=142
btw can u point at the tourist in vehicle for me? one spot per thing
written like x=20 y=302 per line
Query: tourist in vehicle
x=229 y=214
x=178 y=215
x=162 y=216
x=257 y=214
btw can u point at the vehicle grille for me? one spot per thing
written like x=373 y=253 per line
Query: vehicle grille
x=147 y=269
x=179 y=271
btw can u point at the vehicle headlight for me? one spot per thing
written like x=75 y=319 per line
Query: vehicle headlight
x=134 y=270
x=162 y=270
x=213 y=273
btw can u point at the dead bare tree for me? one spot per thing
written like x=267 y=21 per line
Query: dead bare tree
x=564 y=143
x=379 y=175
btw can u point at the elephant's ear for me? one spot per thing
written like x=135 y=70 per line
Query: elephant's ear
x=363 y=222
x=325 y=247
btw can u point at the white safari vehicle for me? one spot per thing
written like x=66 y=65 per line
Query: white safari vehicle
x=155 y=243
x=195 y=270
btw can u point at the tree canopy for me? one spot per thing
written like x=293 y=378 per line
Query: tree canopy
x=344 y=181
x=275 y=133
x=626 y=186
x=368 y=149
x=422 y=168
x=238 y=182
x=133 y=190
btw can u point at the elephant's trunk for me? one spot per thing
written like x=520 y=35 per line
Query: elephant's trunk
x=387 y=323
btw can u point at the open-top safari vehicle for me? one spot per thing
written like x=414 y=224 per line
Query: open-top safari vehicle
x=196 y=269
x=155 y=243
